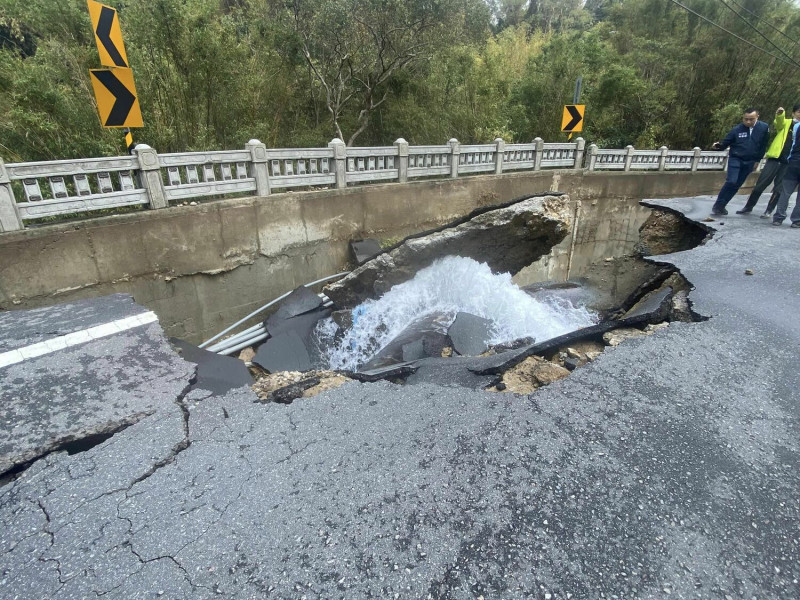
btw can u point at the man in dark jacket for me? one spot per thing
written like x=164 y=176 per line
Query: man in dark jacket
x=791 y=180
x=748 y=143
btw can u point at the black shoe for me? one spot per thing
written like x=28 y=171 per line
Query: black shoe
x=744 y=211
x=795 y=225
x=777 y=223
x=718 y=212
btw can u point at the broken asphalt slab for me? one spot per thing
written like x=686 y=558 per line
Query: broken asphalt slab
x=71 y=385
x=666 y=468
x=216 y=373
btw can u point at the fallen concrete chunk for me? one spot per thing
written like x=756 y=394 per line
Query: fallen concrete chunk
x=616 y=337
x=680 y=310
x=530 y=374
x=653 y=308
x=584 y=351
x=507 y=238
x=470 y=334
x=363 y=250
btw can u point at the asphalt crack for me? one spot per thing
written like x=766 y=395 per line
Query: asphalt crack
x=182 y=445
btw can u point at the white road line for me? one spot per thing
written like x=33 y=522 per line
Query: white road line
x=73 y=339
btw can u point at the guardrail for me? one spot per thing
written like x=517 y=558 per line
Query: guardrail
x=35 y=190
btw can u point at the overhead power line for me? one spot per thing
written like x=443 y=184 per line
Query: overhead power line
x=741 y=39
x=754 y=28
x=770 y=25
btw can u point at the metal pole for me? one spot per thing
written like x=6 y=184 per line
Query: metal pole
x=576 y=97
x=129 y=139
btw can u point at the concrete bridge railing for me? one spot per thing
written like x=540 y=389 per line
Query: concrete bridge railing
x=35 y=190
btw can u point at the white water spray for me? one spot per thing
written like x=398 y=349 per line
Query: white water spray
x=450 y=285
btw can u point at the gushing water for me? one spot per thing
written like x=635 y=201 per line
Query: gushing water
x=448 y=286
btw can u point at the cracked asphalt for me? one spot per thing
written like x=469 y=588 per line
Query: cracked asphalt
x=667 y=468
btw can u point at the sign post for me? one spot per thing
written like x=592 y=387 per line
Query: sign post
x=114 y=88
x=572 y=119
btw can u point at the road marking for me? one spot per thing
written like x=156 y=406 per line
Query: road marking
x=73 y=339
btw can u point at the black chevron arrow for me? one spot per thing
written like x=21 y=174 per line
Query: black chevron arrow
x=103 y=32
x=576 y=118
x=124 y=98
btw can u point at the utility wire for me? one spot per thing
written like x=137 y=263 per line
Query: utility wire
x=754 y=28
x=780 y=58
x=795 y=42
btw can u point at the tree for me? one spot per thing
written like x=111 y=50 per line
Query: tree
x=355 y=47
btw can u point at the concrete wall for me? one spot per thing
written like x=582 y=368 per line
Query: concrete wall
x=201 y=268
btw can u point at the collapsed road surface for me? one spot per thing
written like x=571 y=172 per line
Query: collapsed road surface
x=666 y=468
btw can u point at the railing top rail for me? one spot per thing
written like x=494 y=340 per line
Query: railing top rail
x=420 y=149
x=198 y=158
x=560 y=145
x=299 y=153
x=202 y=153
x=70 y=167
x=371 y=148
x=478 y=147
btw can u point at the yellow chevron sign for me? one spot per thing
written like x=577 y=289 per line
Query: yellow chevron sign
x=107 y=34
x=572 y=118
x=116 y=97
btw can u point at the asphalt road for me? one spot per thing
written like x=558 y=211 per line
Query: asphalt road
x=667 y=468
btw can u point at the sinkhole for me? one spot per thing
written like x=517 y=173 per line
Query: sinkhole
x=439 y=307
x=429 y=310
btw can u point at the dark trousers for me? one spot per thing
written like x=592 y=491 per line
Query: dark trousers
x=773 y=172
x=790 y=182
x=738 y=170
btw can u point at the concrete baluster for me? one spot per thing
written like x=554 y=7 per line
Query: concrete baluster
x=591 y=157
x=662 y=158
x=150 y=175
x=10 y=219
x=258 y=161
x=340 y=161
x=580 y=149
x=628 y=157
x=402 y=159
x=696 y=158
x=537 y=159
x=455 y=156
x=498 y=155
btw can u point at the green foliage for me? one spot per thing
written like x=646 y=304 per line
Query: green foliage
x=46 y=103
x=213 y=74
